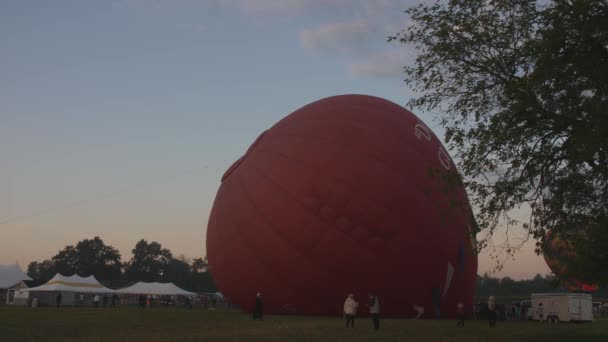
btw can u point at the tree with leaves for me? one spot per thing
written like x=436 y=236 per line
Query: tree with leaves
x=199 y=265
x=202 y=281
x=522 y=86
x=42 y=271
x=89 y=257
x=178 y=272
x=149 y=262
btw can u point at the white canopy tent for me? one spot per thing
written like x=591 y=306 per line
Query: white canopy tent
x=11 y=275
x=158 y=289
x=75 y=283
x=75 y=290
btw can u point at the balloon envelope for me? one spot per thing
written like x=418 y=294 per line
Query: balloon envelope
x=345 y=195
x=557 y=253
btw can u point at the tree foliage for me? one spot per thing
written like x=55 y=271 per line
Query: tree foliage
x=507 y=287
x=44 y=270
x=199 y=265
x=89 y=257
x=523 y=88
x=150 y=262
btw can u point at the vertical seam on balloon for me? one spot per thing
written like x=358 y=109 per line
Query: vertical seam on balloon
x=270 y=224
x=237 y=232
x=287 y=192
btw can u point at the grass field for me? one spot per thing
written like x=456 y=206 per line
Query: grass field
x=132 y=324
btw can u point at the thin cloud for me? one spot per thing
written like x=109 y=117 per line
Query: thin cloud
x=363 y=8
x=388 y=64
x=274 y=7
x=339 y=37
x=355 y=30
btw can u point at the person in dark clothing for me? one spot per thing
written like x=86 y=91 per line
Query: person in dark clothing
x=374 y=310
x=460 y=315
x=142 y=301
x=114 y=300
x=105 y=300
x=257 y=312
x=492 y=311
x=58 y=299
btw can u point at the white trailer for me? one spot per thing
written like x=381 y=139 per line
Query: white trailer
x=562 y=307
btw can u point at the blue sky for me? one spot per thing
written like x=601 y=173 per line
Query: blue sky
x=117 y=118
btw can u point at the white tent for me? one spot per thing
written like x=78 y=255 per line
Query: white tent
x=11 y=275
x=74 y=283
x=159 y=289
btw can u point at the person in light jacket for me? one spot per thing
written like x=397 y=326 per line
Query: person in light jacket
x=374 y=310
x=350 y=310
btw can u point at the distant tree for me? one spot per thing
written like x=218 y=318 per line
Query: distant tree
x=66 y=261
x=178 y=272
x=99 y=259
x=42 y=271
x=507 y=287
x=202 y=281
x=199 y=265
x=149 y=262
x=523 y=88
x=89 y=257
x=489 y=284
x=33 y=270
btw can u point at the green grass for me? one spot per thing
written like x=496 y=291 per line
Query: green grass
x=132 y=324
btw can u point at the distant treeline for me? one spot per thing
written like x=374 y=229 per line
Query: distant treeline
x=507 y=287
x=149 y=262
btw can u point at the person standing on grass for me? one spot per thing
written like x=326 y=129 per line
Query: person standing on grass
x=492 y=311
x=460 y=315
x=374 y=310
x=96 y=300
x=350 y=310
x=257 y=312
x=58 y=299
x=541 y=312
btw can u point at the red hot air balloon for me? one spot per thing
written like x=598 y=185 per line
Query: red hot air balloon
x=557 y=253
x=342 y=196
